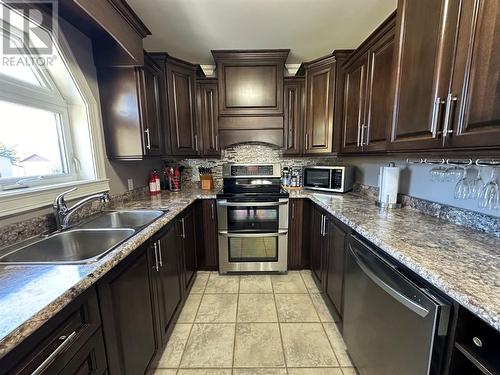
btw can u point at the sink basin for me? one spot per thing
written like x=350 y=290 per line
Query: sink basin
x=69 y=247
x=123 y=219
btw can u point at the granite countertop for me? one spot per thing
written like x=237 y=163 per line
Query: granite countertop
x=463 y=263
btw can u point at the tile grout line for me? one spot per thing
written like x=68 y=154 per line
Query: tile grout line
x=192 y=325
x=236 y=323
x=279 y=326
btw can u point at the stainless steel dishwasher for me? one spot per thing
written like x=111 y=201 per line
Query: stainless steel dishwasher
x=392 y=325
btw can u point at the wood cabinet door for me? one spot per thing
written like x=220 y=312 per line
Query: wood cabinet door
x=208 y=116
x=475 y=119
x=296 y=251
x=169 y=277
x=316 y=245
x=336 y=263
x=250 y=88
x=354 y=104
x=151 y=111
x=425 y=36
x=181 y=106
x=127 y=310
x=379 y=97
x=208 y=249
x=293 y=107
x=188 y=233
x=320 y=84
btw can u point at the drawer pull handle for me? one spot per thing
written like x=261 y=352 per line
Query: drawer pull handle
x=66 y=340
x=477 y=341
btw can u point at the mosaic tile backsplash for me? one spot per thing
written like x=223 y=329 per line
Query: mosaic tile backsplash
x=249 y=153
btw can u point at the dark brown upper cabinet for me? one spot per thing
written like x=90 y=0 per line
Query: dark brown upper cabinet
x=183 y=135
x=367 y=99
x=250 y=82
x=474 y=119
x=115 y=29
x=446 y=90
x=423 y=59
x=132 y=127
x=354 y=103
x=294 y=106
x=324 y=90
x=208 y=115
x=250 y=88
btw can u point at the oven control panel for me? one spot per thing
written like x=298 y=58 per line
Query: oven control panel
x=251 y=170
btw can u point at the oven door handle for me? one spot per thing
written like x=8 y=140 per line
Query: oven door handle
x=225 y=233
x=225 y=203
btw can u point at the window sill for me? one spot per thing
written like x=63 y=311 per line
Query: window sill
x=20 y=201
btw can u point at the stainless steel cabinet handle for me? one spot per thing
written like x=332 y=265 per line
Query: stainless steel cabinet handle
x=148 y=139
x=307 y=141
x=405 y=301
x=435 y=115
x=66 y=340
x=160 y=257
x=217 y=142
x=358 y=143
x=225 y=203
x=225 y=233
x=183 y=229
x=293 y=210
x=362 y=140
x=196 y=142
x=450 y=100
x=322 y=229
x=212 y=209
x=156 y=266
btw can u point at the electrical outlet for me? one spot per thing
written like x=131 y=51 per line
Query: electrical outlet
x=130 y=184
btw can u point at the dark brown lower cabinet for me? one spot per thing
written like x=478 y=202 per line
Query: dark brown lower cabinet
x=298 y=254
x=168 y=277
x=187 y=233
x=206 y=229
x=90 y=358
x=317 y=247
x=336 y=234
x=475 y=348
x=70 y=342
x=127 y=308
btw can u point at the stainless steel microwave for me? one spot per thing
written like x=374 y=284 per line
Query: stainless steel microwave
x=327 y=178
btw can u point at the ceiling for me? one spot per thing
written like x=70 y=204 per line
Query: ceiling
x=189 y=29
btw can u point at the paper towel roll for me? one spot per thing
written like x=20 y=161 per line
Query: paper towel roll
x=388 y=184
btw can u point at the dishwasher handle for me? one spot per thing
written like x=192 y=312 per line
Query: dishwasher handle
x=397 y=295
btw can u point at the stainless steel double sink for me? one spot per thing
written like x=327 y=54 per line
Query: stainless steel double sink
x=84 y=243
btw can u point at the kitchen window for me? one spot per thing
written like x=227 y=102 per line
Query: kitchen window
x=50 y=128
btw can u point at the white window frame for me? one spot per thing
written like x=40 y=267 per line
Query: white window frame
x=39 y=195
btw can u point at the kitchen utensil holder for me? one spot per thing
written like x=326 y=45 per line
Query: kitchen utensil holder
x=174 y=183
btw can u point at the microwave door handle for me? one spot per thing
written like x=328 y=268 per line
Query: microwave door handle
x=225 y=233
x=405 y=301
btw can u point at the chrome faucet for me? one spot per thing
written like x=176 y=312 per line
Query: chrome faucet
x=63 y=213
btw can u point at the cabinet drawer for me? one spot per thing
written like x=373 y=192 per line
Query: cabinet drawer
x=90 y=358
x=478 y=342
x=50 y=348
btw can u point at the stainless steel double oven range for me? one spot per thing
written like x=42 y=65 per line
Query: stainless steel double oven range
x=253 y=219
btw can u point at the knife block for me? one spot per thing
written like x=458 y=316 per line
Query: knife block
x=206 y=182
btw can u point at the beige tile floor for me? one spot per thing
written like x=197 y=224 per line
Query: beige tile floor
x=252 y=325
